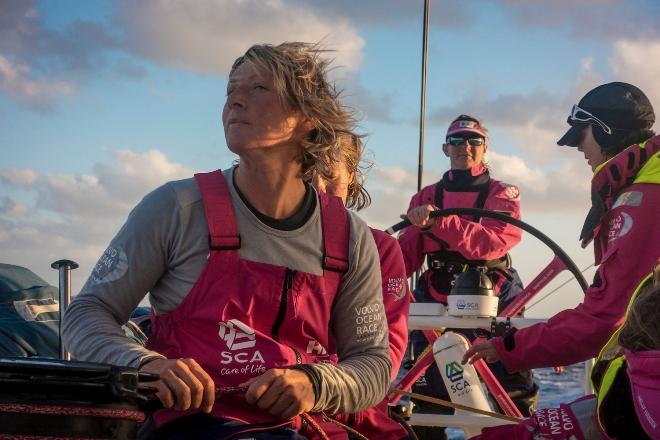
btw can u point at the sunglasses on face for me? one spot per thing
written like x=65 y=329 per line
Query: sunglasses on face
x=457 y=140
x=581 y=115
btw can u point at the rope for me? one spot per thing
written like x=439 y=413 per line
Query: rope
x=315 y=426
x=426 y=349
x=40 y=437
x=454 y=405
x=230 y=390
x=108 y=413
x=345 y=427
x=403 y=422
x=558 y=287
x=304 y=416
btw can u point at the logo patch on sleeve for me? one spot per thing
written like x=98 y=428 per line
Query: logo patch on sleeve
x=112 y=265
x=368 y=321
x=620 y=225
x=396 y=287
x=630 y=198
x=512 y=192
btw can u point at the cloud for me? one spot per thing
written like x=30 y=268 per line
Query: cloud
x=448 y=14
x=563 y=188
x=370 y=105
x=545 y=110
x=593 y=19
x=638 y=62
x=16 y=177
x=39 y=64
x=586 y=80
x=19 y=26
x=395 y=177
x=113 y=188
x=78 y=196
x=75 y=48
x=16 y=81
x=75 y=216
x=10 y=208
x=538 y=119
x=208 y=35
x=391 y=188
x=509 y=109
x=127 y=179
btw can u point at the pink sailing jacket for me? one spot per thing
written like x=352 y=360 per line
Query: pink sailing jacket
x=242 y=317
x=474 y=239
x=623 y=224
x=375 y=423
x=396 y=295
x=571 y=421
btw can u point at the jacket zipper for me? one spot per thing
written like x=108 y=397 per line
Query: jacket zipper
x=289 y=274
x=281 y=313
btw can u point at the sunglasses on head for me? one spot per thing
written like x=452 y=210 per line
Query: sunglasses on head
x=458 y=140
x=581 y=115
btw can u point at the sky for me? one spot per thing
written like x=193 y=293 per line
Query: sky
x=103 y=101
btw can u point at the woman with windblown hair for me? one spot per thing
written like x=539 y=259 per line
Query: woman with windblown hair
x=256 y=281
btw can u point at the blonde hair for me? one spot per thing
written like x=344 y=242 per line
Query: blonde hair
x=350 y=154
x=300 y=79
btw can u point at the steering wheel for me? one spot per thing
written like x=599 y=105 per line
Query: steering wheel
x=559 y=263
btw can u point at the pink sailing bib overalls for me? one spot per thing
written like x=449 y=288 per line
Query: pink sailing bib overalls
x=242 y=317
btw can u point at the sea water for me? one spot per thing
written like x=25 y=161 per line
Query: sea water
x=560 y=388
x=554 y=390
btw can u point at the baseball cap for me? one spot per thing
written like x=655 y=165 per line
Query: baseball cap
x=467 y=124
x=614 y=107
x=644 y=373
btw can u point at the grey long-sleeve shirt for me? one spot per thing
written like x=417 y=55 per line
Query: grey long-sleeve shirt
x=162 y=249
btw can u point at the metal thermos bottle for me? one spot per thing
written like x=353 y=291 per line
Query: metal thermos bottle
x=461 y=381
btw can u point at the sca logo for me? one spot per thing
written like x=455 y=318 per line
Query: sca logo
x=460 y=304
x=238 y=336
x=316 y=347
x=454 y=373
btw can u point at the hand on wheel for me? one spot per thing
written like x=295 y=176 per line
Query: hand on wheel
x=420 y=216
